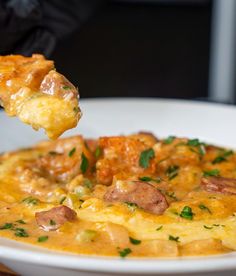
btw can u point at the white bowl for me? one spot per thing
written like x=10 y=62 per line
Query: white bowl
x=209 y=122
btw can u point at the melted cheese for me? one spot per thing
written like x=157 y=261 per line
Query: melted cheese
x=51 y=173
x=32 y=90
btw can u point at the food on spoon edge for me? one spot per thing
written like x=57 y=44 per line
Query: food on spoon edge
x=32 y=90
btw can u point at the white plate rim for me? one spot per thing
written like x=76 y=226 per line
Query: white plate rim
x=138 y=266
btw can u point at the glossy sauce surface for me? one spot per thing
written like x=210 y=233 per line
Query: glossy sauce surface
x=133 y=196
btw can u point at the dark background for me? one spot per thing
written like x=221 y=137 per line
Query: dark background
x=138 y=49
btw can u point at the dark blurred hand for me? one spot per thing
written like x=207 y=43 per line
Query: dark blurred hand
x=34 y=26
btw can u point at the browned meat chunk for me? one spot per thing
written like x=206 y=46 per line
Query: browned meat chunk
x=52 y=219
x=56 y=84
x=219 y=185
x=143 y=194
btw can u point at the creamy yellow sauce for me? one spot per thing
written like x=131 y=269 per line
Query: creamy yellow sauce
x=76 y=172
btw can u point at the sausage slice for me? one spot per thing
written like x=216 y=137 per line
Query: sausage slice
x=141 y=193
x=52 y=219
x=221 y=185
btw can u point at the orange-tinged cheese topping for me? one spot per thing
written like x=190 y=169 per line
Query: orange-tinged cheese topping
x=32 y=90
x=127 y=196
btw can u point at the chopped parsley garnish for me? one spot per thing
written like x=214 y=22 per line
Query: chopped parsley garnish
x=52 y=222
x=62 y=199
x=30 y=200
x=148 y=178
x=84 y=163
x=159 y=228
x=207 y=227
x=194 y=142
x=211 y=227
x=172 y=238
x=66 y=87
x=172 y=171
x=88 y=184
x=123 y=253
x=20 y=232
x=214 y=172
x=222 y=157
x=187 y=213
x=98 y=152
x=145 y=178
x=205 y=208
x=134 y=241
x=145 y=157
x=42 y=238
x=131 y=206
x=169 y=140
x=218 y=159
x=71 y=152
x=202 y=150
x=21 y=221
x=76 y=109
x=7 y=226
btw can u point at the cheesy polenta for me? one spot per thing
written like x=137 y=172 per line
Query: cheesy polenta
x=32 y=90
x=127 y=196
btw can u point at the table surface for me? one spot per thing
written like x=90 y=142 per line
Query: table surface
x=4 y=271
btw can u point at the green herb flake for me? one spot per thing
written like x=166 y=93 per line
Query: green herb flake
x=123 y=253
x=52 y=222
x=20 y=232
x=71 y=152
x=169 y=140
x=134 y=241
x=98 y=152
x=222 y=157
x=76 y=109
x=30 y=200
x=131 y=206
x=21 y=221
x=187 y=213
x=218 y=159
x=42 y=238
x=84 y=163
x=7 y=226
x=145 y=178
x=88 y=184
x=172 y=238
x=172 y=172
x=199 y=145
x=205 y=208
x=66 y=87
x=145 y=158
x=214 y=172
x=207 y=227
x=148 y=179
x=62 y=199
x=194 y=142
x=159 y=228
x=202 y=150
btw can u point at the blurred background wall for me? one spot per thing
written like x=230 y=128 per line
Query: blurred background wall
x=140 y=48
x=157 y=48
